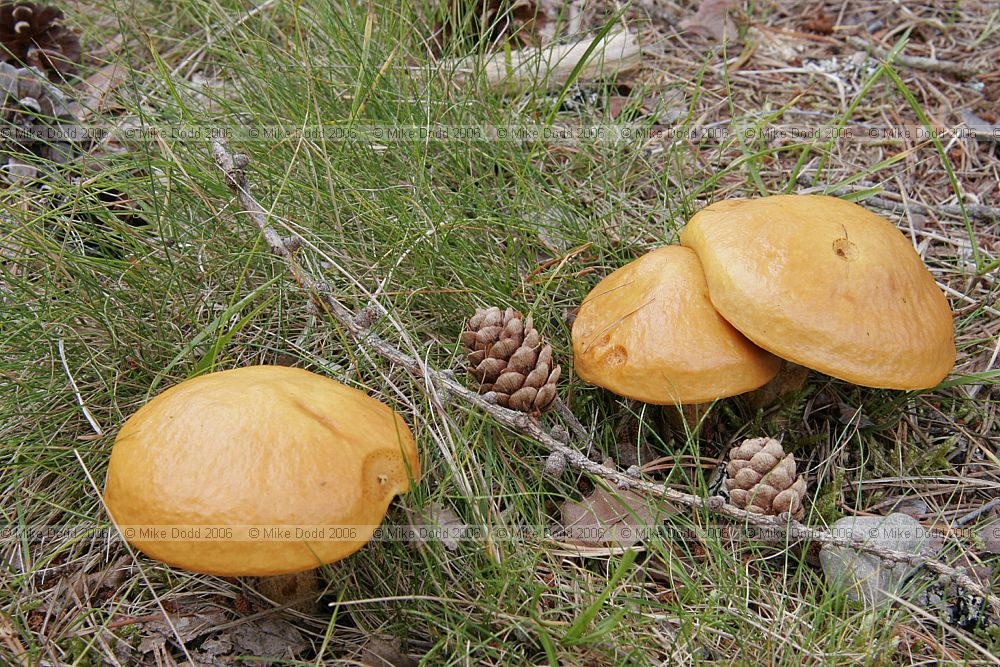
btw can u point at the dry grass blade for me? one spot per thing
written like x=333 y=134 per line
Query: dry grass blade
x=9 y=637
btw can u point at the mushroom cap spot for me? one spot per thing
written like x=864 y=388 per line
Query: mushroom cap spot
x=827 y=284
x=259 y=446
x=845 y=249
x=648 y=331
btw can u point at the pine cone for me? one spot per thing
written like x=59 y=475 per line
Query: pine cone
x=34 y=35
x=762 y=479
x=36 y=117
x=508 y=357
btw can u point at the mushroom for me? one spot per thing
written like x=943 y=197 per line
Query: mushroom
x=262 y=470
x=648 y=331
x=826 y=284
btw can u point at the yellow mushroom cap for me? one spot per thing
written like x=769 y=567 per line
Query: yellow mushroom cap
x=827 y=284
x=648 y=331
x=256 y=447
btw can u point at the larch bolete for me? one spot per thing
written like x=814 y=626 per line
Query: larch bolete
x=256 y=448
x=826 y=284
x=648 y=331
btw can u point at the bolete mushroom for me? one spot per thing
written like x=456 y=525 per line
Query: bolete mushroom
x=648 y=331
x=252 y=449
x=826 y=284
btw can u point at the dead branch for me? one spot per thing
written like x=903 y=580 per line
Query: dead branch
x=914 y=62
x=980 y=211
x=358 y=327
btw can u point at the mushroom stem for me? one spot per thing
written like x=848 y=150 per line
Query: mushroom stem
x=790 y=378
x=682 y=419
x=298 y=591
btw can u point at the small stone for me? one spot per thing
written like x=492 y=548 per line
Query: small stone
x=20 y=172
x=864 y=576
x=915 y=507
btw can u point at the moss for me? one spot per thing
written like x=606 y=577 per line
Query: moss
x=825 y=504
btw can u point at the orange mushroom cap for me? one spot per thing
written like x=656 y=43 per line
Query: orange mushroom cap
x=648 y=331
x=827 y=284
x=253 y=448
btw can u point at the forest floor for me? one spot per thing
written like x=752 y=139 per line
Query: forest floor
x=132 y=269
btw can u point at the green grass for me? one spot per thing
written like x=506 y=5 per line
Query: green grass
x=430 y=230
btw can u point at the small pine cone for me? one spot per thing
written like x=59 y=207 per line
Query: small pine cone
x=36 y=118
x=508 y=357
x=33 y=35
x=762 y=479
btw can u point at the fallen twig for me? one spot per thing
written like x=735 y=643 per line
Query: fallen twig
x=978 y=512
x=359 y=327
x=133 y=620
x=914 y=62
x=973 y=210
x=980 y=211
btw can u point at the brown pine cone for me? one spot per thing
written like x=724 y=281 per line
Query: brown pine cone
x=507 y=355
x=762 y=479
x=37 y=118
x=34 y=35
